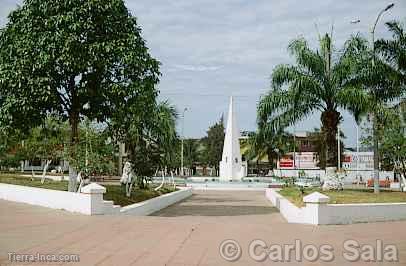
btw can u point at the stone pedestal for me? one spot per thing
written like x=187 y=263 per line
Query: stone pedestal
x=96 y=192
x=314 y=203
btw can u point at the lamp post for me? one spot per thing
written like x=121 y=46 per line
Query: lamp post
x=357 y=165
x=374 y=116
x=181 y=153
x=338 y=149
x=357 y=122
x=375 y=120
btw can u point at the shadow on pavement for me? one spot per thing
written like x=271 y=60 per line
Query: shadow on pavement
x=213 y=210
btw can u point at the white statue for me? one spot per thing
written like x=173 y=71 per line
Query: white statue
x=44 y=171
x=162 y=181
x=127 y=178
x=82 y=180
x=334 y=181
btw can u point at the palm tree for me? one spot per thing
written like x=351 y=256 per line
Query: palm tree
x=393 y=52
x=271 y=145
x=151 y=143
x=164 y=133
x=381 y=73
x=192 y=152
x=317 y=82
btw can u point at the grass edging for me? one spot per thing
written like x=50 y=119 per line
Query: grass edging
x=346 y=196
x=155 y=204
x=115 y=193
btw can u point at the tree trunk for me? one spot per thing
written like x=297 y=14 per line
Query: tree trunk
x=44 y=172
x=32 y=172
x=162 y=182
x=330 y=120
x=270 y=159
x=74 y=123
x=74 y=120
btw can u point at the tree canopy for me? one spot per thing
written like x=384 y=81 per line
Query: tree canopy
x=214 y=142
x=73 y=58
x=319 y=81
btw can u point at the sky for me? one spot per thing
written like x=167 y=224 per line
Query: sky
x=212 y=49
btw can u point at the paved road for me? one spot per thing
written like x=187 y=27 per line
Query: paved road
x=188 y=233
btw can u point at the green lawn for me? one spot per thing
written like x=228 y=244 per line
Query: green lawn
x=113 y=192
x=346 y=196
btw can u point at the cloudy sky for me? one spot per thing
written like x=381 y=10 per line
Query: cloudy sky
x=212 y=49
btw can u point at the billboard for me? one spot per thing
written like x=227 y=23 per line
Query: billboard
x=303 y=160
x=365 y=160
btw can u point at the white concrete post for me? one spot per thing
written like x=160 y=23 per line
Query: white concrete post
x=95 y=192
x=314 y=202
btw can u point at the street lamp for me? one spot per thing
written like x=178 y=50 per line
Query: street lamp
x=338 y=148
x=374 y=118
x=376 y=143
x=374 y=27
x=182 y=137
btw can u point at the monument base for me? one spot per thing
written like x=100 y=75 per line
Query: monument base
x=232 y=173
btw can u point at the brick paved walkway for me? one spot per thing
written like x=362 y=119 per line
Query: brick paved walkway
x=188 y=233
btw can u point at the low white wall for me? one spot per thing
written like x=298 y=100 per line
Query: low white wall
x=289 y=211
x=155 y=204
x=293 y=172
x=349 y=176
x=89 y=202
x=365 y=212
x=320 y=213
x=70 y=201
x=51 y=177
x=228 y=188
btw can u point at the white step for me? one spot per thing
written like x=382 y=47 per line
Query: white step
x=110 y=208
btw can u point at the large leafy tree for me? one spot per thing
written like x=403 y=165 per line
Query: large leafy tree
x=10 y=146
x=317 y=82
x=75 y=58
x=392 y=139
x=95 y=150
x=213 y=143
x=45 y=142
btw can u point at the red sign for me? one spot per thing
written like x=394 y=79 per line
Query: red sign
x=286 y=163
x=347 y=159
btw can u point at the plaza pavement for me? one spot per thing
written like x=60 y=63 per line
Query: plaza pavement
x=188 y=233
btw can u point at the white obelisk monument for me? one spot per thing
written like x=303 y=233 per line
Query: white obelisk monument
x=231 y=166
